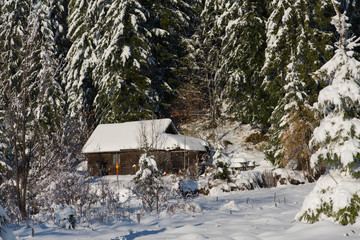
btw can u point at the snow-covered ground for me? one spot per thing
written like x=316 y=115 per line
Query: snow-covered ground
x=236 y=215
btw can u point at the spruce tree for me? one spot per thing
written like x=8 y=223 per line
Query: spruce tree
x=302 y=24
x=298 y=36
x=148 y=185
x=292 y=124
x=294 y=98
x=58 y=15
x=122 y=71
x=124 y=59
x=242 y=57
x=78 y=80
x=336 y=141
x=351 y=9
x=170 y=23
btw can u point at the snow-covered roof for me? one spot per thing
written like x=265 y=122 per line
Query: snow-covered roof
x=160 y=133
x=174 y=141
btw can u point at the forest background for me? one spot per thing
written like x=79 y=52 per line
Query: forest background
x=66 y=66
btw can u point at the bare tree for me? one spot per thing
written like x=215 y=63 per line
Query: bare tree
x=30 y=117
x=149 y=136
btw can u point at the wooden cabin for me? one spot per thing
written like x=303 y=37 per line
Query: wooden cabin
x=122 y=144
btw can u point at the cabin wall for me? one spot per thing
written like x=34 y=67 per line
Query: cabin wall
x=105 y=163
x=167 y=161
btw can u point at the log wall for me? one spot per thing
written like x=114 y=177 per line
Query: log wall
x=167 y=161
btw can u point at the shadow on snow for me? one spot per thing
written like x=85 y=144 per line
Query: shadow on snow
x=131 y=235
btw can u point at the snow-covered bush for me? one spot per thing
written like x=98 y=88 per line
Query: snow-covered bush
x=221 y=163
x=335 y=196
x=188 y=187
x=148 y=184
x=104 y=202
x=65 y=217
x=93 y=199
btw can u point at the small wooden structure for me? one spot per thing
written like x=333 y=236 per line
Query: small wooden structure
x=122 y=144
x=239 y=164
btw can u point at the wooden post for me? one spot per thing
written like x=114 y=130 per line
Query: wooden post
x=184 y=154
x=197 y=165
x=138 y=217
x=117 y=170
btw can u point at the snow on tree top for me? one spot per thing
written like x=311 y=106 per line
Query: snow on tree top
x=158 y=134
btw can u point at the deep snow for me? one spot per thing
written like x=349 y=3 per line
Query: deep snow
x=235 y=215
x=239 y=215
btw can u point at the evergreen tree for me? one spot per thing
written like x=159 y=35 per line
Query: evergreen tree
x=124 y=58
x=148 y=184
x=171 y=25
x=58 y=15
x=242 y=57
x=295 y=100
x=12 y=29
x=351 y=9
x=300 y=28
x=121 y=74
x=336 y=141
x=297 y=44
x=81 y=59
x=13 y=21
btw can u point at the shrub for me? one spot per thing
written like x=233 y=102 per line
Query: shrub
x=65 y=217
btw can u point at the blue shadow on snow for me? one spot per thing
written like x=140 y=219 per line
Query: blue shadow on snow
x=142 y=233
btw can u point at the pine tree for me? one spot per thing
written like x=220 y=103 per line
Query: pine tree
x=148 y=184
x=302 y=24
x=295 y=101
x=336 y=141
x=242 y=57
x=121 y=74
x=297 y=44
x=124 y=60
x=78 y=79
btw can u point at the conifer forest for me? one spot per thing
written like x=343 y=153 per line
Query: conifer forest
x=287 y=67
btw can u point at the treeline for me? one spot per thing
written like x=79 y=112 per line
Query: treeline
x=67 y=65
